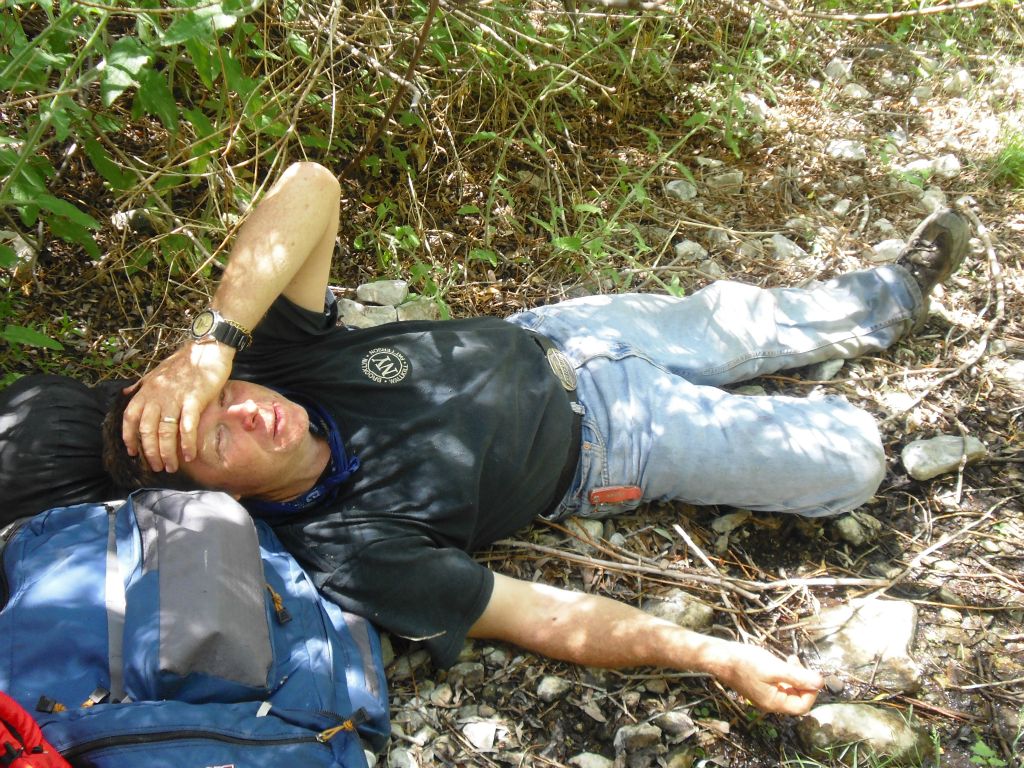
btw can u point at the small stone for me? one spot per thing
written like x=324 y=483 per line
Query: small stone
x=405 y=666
x=925 y=459
x=681 y=189
x=842 y=207
x=931 y=200
x=950 y=615
x=858 y=528
x=826 y=370
x=1013 y=375
x=786 y=250
x=552 y=688
x=586 y=530
x=383 y=292
x=751 y=249
x=730 y=181
x=883 y=226
x=855 y=92
x=757 y=108
x=677 y=723
x=839 y=70
x=708 y=162
x=881 y=734
x=590 y=760
x=442 y=696
x=887 y=251
x=136 y=220
x=25 y=255
x=711 y=268
x=418 y=308
x=631 y=738
x=681 y=608
x=958 y=83
x=717 y=238
x=834 y=684
x=401 y=758
x=688 y=250
x=750 y=390
x=657 y=685
x=946 y=166
x=921 y=94
x=848 y=150
x=468 y=674
x=481 y=734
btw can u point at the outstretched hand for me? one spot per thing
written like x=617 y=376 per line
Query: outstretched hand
x=770 y=683
x=163 y=414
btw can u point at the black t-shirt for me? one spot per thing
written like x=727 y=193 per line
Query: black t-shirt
x=461 y=431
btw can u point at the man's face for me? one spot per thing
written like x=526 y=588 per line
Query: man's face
x=252 y=442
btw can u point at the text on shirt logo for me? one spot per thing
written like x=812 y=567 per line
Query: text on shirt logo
x=385 y=366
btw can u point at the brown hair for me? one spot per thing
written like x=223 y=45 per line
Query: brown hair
x=131 y=472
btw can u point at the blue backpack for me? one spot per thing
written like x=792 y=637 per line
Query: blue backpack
x=174 y=630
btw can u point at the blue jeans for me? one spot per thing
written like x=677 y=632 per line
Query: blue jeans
x=649 y=370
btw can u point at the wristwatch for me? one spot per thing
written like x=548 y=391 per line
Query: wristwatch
x=210 y=325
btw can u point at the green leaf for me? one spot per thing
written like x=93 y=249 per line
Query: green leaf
x=187 y=28
x=18 y=334
x=573 y=243
x=466 y=210
x=67 y=210
x=482 y=136
x=298 y=44
x=586 y=208
x=126 y=60
x=485 y=255
x=105 y=166
x=8 y=257
x=155 y=97
x=71 y=232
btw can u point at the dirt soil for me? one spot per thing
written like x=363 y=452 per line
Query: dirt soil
x=955 y=541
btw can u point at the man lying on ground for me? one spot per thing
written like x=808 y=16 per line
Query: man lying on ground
x=385 y=456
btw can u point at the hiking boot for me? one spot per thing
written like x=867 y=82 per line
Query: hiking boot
x=936 y=249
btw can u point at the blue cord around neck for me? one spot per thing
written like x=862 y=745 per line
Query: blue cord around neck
x=339 y=469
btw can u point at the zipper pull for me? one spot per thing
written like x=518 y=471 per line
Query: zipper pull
x=283 y=617
x=358 y=718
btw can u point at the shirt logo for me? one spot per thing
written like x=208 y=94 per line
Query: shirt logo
x=385 y=366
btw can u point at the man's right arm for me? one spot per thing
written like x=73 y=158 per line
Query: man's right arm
x=600 y=632
x=284 y=248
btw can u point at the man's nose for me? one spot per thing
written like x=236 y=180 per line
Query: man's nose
x=246 y=412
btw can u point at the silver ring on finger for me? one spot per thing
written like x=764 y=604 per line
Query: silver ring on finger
x=169 y=420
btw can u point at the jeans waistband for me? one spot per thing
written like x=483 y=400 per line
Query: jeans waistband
x=562 y=369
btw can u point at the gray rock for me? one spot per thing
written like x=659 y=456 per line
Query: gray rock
x=839 y=70
x=958 y=83
x=870 y=639
x=587 y=529
x=751 y=249
x=931 y=200
x=925 y=459
x=883 y=226
x=712 y=269
x=842 y=207
x=757 y=108
x=387 y=650
x=681 y=189
x=357 y=315
x=405 y=666
x=632 y=738
x=552 y=688
x=590 y=760
x=826 y=370
x=858 y=528
x=389 y=293
x=786 y=250
x=136 y=220
x=717 y=238
x=883 y=734
x=887 y=251
x=847 y=149
x=676 y=723
x=681 y=608
x=920 y=94
x=751 y=390
x=730 y=181
x=1013 y=375
x=468 y=674
x=481 y=734
x=442 y=696
x=708 y=162
x=399 y=757
x=688 y=250
x=418 y=308
x=946 y=166
x=855 y=92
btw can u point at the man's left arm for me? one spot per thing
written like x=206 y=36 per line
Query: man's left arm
x=600 y=632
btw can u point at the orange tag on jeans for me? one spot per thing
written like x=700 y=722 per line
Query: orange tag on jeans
x=615 y=494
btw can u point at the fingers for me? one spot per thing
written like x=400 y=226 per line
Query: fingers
x=191 y=409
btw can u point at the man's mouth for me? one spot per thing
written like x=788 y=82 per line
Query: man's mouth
x=278 y=416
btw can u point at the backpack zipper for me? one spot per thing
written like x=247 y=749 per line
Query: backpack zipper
x=150 y=738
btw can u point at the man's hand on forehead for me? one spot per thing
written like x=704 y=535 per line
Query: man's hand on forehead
x=164 y=412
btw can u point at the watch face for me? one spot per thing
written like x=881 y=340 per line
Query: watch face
x=203 y=323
